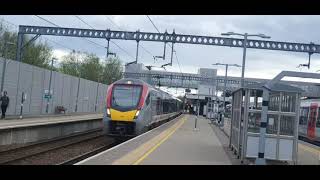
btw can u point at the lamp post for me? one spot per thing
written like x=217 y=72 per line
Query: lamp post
x=245 y=36
x=79 y=79
x=49 y=93
x=225 y=85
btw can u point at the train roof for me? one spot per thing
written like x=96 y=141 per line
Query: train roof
x=141 y=82
x=130 y=81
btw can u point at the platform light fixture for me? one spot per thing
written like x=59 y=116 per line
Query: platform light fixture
x=245 y=35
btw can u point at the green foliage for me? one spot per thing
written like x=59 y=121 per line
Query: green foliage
x=69 y=65
x=91 y=68
x=37 y=54
x=112 y=70
x=85 y=65
x=88 y=66
x=8 y=51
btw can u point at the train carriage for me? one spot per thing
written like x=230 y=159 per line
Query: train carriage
x=134 y=107
x=309 y=121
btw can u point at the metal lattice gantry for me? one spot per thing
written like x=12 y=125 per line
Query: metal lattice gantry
x=163 y=37
x=184 y=77
x=187 y=80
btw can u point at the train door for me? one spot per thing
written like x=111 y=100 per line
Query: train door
x=312 y=120
x=148 y=109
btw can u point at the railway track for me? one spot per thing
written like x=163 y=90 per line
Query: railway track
x=67 y=150
x=19 y=154
x=88 y=154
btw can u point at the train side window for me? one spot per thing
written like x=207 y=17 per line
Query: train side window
x=148 y=100
x=158 y=106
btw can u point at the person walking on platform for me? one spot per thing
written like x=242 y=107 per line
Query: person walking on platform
x=4 y=104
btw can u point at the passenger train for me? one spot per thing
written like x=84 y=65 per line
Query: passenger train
x=309 y=121
x=134 y=107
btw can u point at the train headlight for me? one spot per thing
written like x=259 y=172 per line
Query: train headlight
x=137 y=114
x=108 y=112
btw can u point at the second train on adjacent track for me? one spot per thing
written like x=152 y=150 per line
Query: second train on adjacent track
x=134 y=107
x=309 y=121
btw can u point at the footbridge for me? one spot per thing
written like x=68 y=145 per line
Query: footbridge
x=206 y=77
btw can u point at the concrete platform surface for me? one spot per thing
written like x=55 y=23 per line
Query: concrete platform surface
x=308 y=154
x=188 y=146
x=35 y=121
x=175 y=142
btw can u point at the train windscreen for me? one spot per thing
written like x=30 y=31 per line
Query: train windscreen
x=126 y=97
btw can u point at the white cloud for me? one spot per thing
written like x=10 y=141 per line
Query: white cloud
x=260 y=63
x=59 y=53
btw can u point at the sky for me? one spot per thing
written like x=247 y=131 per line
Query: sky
x=259 y=63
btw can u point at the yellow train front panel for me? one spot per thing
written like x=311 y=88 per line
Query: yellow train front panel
x=122 y=116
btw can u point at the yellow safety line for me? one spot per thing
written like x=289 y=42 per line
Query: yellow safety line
x=158 y=144
x=310 y=149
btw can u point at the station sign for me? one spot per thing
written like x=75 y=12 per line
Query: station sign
x=48 y=95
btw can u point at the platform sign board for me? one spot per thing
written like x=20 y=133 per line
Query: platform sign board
x=48 y=95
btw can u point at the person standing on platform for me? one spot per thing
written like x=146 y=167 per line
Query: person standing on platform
x=4 y=104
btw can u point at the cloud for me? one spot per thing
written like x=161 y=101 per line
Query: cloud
x=59 y=53
x=259 y=63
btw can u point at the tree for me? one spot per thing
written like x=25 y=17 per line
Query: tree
x=91 y=68
x=112 y=70
x=9 y=37
x=88 y=66
x=38 y=54
x=70 y=64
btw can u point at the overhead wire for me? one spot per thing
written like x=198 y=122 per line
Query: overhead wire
x=43 y=37
x=110 y=40
x=122 y=30
x=48 y=21
x=175 y=52
x=169 y=44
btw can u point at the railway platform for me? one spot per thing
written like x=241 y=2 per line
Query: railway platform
x=15 y=122
x=176 y=142
x=15 y=131
x=308 y=154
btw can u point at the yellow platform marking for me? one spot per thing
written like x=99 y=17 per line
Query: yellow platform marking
x=140 y=153
x=158 y=144
x=310 y=149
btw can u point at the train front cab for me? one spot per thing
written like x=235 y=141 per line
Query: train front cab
x=124 y=109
